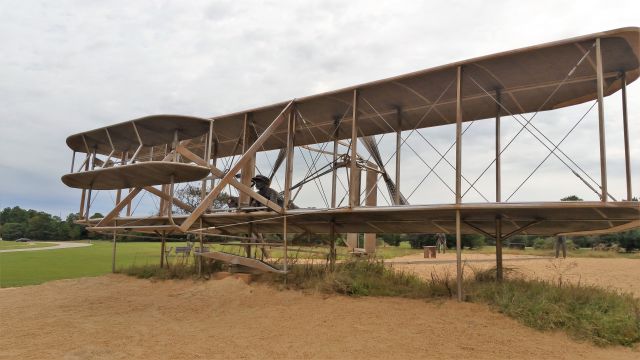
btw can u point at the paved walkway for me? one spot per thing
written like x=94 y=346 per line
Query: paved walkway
x=58 y=245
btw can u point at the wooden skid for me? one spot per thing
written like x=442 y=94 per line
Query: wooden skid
x=241 y=260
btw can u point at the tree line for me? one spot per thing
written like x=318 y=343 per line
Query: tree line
x=16 y=223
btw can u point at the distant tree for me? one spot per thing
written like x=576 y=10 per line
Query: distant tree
x=14 y=215
x=13 y=231
x=392 y=239
x=191 y=195
x=74 y=231
x=41 y=227
x=417 y=241
x=630 y=240
x=571 y=198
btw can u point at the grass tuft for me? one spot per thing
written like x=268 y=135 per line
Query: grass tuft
x=362 y=277
x=602 y=316
x=177 y=271
x=174 y=271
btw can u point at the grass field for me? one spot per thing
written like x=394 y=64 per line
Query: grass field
x=36 y=267
x=12 y=245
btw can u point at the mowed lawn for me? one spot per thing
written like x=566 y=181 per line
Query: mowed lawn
x=36 y=267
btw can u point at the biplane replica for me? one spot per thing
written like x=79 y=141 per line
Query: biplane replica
x=154 y=153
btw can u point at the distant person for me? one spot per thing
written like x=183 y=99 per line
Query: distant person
x=561 y=242
x=441 y=243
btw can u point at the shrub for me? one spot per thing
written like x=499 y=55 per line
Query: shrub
x=544 y=243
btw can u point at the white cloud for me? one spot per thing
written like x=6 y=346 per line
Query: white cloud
x=69 y=66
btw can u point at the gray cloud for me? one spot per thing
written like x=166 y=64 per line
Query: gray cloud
x=69 y=66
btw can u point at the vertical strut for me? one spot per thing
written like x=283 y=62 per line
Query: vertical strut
x=334 y=171
x=398 y=147
x=498 y=190
x=354 y=188
x=498 y=164
x=73 y=160
x=603 y=151
x=458 y=180
x=288 y=175
x=86 y=167
x=119 y=191
x=625 y=123
x=248 y=170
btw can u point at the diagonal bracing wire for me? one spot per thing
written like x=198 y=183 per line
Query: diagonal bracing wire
x=315 y=181
x=322 y=148
x=453 y=144
x=551 y=152
x=528 y=122
x=471 y=186
x=419 y=122
x=524 y=127
x=271 y=165
x=431 y=169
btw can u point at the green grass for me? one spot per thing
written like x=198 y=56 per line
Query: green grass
x=36 y=267
x=366 y=277
x=601 y=316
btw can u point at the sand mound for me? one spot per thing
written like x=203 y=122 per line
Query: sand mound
x=118 y=317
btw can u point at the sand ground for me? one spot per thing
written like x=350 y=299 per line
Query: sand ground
x=119 y=317
x=616 y=273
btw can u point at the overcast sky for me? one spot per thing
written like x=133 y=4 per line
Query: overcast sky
x=71 y=66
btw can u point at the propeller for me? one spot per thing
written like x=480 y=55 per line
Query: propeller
x=370 y=144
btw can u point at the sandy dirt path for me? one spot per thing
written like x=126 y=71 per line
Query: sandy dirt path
x=616 y=273
x=58 y=245
x=119 y=317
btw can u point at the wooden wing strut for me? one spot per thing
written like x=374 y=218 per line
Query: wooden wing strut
x=206 y=202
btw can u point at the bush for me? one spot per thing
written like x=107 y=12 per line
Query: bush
x=392 y=239
x=471 y=241
x=544 y=243
x=417 y=241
